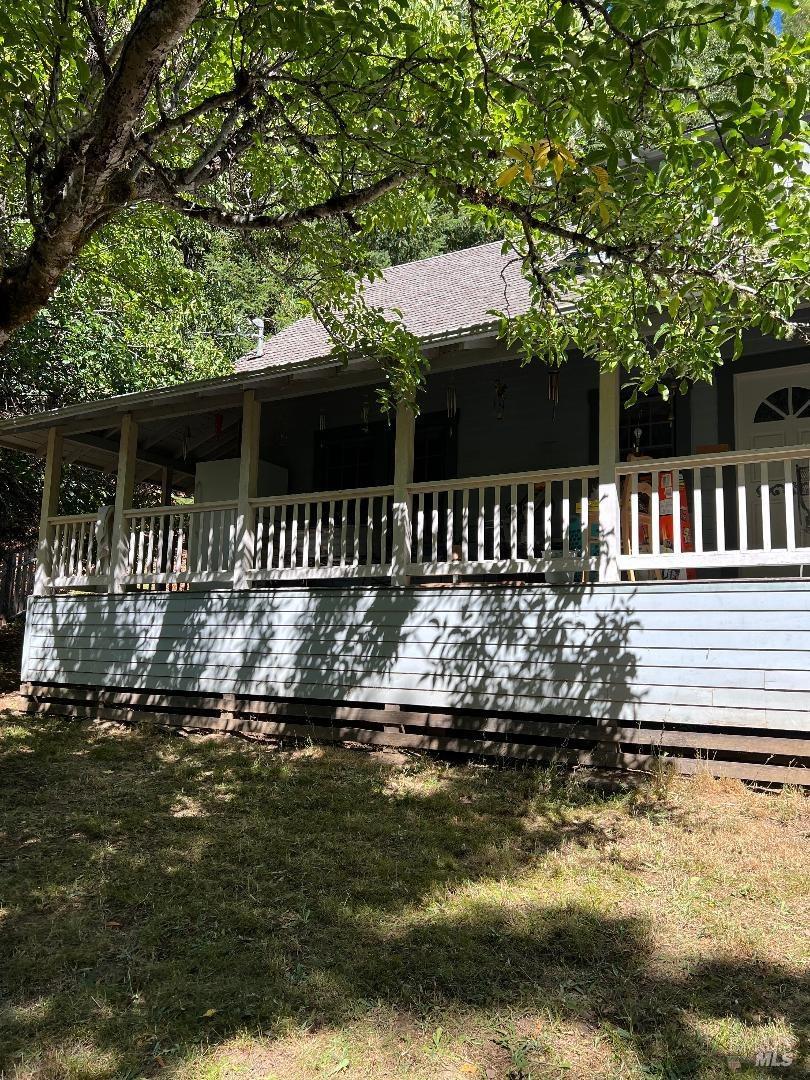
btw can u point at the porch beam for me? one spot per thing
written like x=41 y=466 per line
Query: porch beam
x=403 y=477
x=160 y=461
x=124 y=486
x=43 y=577
x=609 y=516
x=248 y=483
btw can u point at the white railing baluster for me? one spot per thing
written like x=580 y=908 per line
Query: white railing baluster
x=530 y=497
x=496 y=523
x=282 y=538
x=150 y=550
x=465 y=524
x=634 y=547
x=318 y=560
x=449 y=523
x=258 y=552
x=765 y=504
x=584 y=516
x=742 y=509
x=697 y=502
x=719 y=508
x=419 y=539
x=513 y=522
x=434 y=526
x=548 y=511
x=566 y=519
x=356 y=537
x=330 y=535
x=676 y=512
x=369 y=531
x=294 y=535
x=344 y=530
x=482 y=506
x=790 y=516
x=384 y=559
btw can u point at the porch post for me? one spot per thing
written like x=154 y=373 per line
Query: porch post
x=248 y=479
x=124 y=486
x=403 y=477
x=609 y=517
x=48 y=507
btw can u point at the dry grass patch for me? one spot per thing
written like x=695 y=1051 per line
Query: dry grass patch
x=208 y=908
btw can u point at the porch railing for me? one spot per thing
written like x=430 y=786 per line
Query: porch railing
x=747 y=508
x=743 y=509
x=175 y=544
x=79 y=555
x=530 y=522
x=323 y=534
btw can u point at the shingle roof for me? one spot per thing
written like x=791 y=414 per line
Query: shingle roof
x=436 y=296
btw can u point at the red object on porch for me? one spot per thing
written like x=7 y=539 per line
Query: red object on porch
x=665 y=486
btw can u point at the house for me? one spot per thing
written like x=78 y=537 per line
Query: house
x=527 y=569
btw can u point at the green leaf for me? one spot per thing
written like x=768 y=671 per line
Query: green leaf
x=745 y=85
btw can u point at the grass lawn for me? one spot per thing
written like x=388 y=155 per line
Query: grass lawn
x=213 y=908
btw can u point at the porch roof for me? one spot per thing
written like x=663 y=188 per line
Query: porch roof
x=173 y=419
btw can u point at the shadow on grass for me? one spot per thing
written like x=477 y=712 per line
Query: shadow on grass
x=158 y=895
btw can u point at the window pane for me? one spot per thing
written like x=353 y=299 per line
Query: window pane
x=765 y=414
x=801 y=399
x=780 y=399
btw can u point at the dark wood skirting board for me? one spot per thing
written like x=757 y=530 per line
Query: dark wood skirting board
x=744 y=754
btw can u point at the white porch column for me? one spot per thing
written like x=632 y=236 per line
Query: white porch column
x=609 y=516
x=48 y=508
x=124 y=485
x=248 y=479
x=403 y=476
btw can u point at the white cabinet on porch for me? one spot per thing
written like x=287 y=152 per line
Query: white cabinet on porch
x=213 y=535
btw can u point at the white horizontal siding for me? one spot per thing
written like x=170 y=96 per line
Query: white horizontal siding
x=729 y=654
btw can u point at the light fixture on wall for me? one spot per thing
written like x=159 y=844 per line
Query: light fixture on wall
x=637 y=439
x=322 y=421
x=500 y=398
x=365 y=411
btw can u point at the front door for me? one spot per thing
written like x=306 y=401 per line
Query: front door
x=772 y=408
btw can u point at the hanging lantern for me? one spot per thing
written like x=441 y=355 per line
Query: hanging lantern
x=322 y=421
x=365 y=410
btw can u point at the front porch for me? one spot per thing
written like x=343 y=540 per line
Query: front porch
x=566 y=605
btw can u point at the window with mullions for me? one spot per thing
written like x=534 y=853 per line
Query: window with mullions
x=648 y=427
x=352 y=457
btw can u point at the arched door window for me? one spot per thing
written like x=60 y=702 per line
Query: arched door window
x=784 y=404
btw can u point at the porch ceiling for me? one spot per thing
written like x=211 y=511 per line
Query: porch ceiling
x=176 y=425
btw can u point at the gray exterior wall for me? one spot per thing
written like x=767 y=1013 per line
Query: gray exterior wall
x=731 y=654
x=532 y=434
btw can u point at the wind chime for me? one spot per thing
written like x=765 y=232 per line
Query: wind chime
x=452 y=408
x=554 y=391
x=500 y=398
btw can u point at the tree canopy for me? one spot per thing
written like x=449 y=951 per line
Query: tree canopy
x=644 y=158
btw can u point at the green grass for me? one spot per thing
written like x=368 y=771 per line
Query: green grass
x=214 y=908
